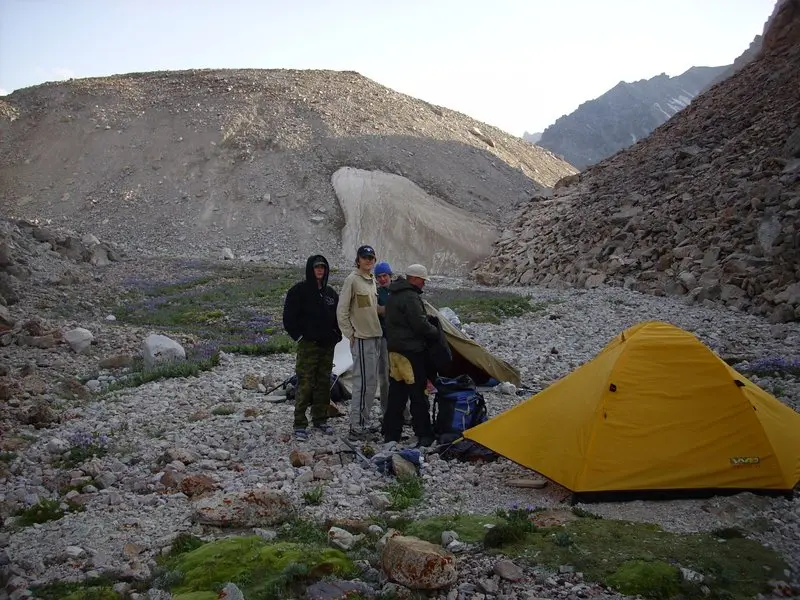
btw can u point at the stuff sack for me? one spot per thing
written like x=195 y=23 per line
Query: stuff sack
x=457 y=406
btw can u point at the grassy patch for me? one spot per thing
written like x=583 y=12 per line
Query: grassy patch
x=405 y=492
x=7 y=457
x=314 y=495
x=100 y=588
x=485 y=307
x=470 y=528
x=260 y=569
x=612 y=551
x=277 y=344
x=140 y=375
x=234 y=309
x=233 y=305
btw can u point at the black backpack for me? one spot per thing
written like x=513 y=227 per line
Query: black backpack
x=457 y=406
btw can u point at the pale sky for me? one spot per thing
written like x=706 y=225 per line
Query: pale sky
x=516 y=64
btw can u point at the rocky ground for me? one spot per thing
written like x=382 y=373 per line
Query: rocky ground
x=704 y=207
x=187 y=163
x=170 y=441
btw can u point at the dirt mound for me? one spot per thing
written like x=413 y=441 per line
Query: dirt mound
x=189 y=162
x=706 y=206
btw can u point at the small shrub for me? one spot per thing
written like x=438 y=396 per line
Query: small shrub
x=405 y=491
x=41 y=512
x=657 y=580
x=314 y=495
x=223 y=410
x=7 y=457
x=185 y=542
x=303 y=531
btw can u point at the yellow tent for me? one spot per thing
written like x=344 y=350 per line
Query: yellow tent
x=655 y=410
x=469 y=357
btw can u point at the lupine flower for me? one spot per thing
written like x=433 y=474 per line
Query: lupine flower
x=774 y=364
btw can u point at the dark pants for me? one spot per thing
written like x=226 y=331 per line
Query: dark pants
x=314 y=365
x=401 y=392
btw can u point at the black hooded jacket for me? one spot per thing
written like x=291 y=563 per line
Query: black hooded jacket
x=309 y=312
x=407 y=325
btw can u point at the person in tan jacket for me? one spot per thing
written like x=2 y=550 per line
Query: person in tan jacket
x=357 y=315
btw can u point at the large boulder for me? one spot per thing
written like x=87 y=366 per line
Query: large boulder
x=158 y=349
x=417 y=564
x=79 y=339
x=252 y=508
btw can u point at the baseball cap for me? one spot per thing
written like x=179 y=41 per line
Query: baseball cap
x=320 y=261
x=383 y=268
x=417 y=271
x=366 y=251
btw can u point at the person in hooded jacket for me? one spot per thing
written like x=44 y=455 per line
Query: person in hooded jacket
x=309 y=317
x=409 y=334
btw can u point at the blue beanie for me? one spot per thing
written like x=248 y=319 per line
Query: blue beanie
x=383 y=268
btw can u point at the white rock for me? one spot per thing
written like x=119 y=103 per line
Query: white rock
x=158 y=348
x=74 y=552
x=79 y=339
x=57 y=446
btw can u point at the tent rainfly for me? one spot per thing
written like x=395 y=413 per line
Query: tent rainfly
x=656 y=412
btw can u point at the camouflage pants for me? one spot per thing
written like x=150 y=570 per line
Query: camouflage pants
x=314 y=365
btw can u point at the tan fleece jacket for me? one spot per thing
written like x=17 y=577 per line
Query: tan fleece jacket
x=357 y=311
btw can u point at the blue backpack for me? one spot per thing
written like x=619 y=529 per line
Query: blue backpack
x=457 y=407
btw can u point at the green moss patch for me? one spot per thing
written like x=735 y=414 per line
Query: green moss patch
x=655 y=579
x=619 y=553
x=470 y=528
x=260 y=569
x=100 y=588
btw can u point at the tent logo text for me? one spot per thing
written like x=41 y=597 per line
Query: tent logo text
x=745 y=460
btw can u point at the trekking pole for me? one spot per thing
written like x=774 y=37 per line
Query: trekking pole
x=282 y=383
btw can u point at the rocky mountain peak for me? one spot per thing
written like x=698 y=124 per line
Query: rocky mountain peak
x=626 y=113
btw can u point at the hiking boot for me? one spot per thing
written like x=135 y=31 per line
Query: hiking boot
x=324 y=428
x=300 y=434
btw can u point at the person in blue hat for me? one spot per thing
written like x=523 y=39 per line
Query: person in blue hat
x=383 y=277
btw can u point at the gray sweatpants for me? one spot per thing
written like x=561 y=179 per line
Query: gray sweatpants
x=366 y=357
x=383 y=375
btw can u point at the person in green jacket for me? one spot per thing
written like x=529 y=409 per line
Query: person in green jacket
x=409 y=334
